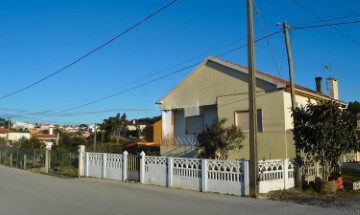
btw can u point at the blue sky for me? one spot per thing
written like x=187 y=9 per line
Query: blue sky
x=39 y=37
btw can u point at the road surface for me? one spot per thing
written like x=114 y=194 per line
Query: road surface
x=26 y=193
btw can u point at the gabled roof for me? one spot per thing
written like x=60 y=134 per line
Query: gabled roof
x=45 y=136
x=278 y=82
x=5 y=131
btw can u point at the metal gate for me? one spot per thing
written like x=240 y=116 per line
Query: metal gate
x=133 y=167
x=63 y=163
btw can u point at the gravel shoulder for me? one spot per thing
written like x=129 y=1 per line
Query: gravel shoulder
x=346 y=200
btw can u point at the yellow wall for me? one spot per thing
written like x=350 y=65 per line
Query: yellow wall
x=207 y=82
x=273 y=141
x=157 y=133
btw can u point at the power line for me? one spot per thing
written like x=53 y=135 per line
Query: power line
x=325 y=25
x=89 y=53
x=336 y=17
x=331 y=26
x=267 y=41
x=161 y=72
x=161 y=77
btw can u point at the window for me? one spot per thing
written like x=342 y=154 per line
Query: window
x=242 y=120
x=194 y=124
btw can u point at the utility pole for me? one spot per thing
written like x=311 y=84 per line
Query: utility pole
x=95 y=137
x=253 y=165
x=290 y=62
x=293 y=104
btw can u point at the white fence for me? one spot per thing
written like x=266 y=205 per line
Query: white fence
x=222 y=176
x=276 y=175
x=228 y=177
x=101 y=165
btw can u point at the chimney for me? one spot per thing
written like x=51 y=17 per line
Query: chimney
x=318 y=81
x=51 y=130
x=333 y=88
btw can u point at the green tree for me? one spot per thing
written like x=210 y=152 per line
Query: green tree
x=215 y=141
x=354 y=107
x=2 y=142
x=70 y=142
x=324 y=132
x=4 y=123
x=113 y=125
x=31 y=143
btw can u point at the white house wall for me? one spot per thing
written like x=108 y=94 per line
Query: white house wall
x=167 y=127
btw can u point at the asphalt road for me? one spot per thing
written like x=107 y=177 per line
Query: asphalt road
x=26 y=193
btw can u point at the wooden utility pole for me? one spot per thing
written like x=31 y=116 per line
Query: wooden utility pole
x=253 y=165
x=293 y=104
x=291 y=71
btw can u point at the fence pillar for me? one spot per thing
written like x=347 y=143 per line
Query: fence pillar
x=47 y=159
x=170 y=172
x=124 y=167
x=142 y=167
x=11 y=161
x=24 y=161
x=81 y=150
x=286 y=173
x=86 y=164
x=104 y=165
x=246 y=178
x=204 y=171
x=33 y=158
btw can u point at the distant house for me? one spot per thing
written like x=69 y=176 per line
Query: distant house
x=46 y=126
x=48 y=139
x=136 y=125
x=23 y=125
x=219 y=89
x=13 y=136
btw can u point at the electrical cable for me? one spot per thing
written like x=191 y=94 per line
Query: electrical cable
x=267 y=40
x=324 y=25
x=161 y=77
x=89 y=53
x=331 y=26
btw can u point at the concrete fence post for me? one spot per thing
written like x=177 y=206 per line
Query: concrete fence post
x=24 y=161
x=204 y=178
x=81 y=150
x=47 y=158
x=86 y=164
x=104 y=165
x=170 y=172
x=286 y=173
x=142 y=167
x=246 y=178
x=124 y=167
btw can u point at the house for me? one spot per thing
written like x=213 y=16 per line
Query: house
x=136 y=125
x=23 y=125
x=46 y=126
x=219 y=89
x=13 y=136
x=48 y=139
